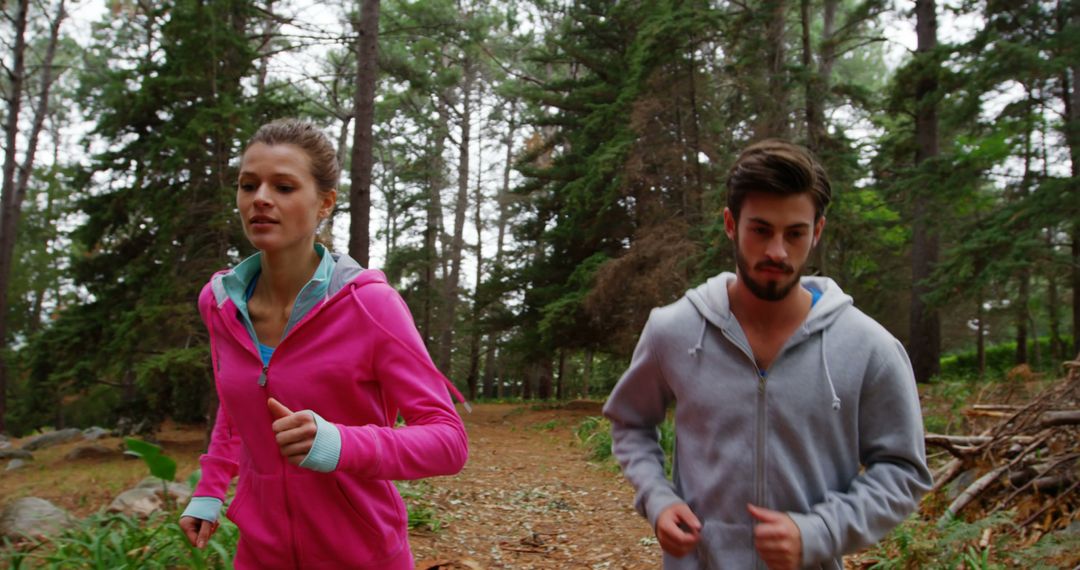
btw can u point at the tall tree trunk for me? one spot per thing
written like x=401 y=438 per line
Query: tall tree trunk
x=1057 y=346
x=819 y=77
x=13 y=188
x=774 y=120
x=980 y=334
x=268 y=29
x=478 y=223
x=544 y=373
x=527 y=378
x=925 y=337
x=559 y=382
x=695 y=194
x=1021 y=317
x=367 y=53
x=457 y=242
x=489 y=368
x=1071 y=96
x=586 y=375
x=433 y=227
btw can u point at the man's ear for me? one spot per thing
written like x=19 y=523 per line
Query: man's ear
x=729 y=224
x=819 y=226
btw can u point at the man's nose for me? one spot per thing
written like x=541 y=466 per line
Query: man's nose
x=775 y=249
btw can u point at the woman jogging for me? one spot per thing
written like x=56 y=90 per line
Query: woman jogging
x=314 y=358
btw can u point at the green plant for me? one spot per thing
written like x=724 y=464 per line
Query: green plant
x=160 y=465
x=114 y=541
x=421 y=511
x=546 y=426
x=595 y=433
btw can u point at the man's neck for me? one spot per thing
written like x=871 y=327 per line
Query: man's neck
x=762 y=315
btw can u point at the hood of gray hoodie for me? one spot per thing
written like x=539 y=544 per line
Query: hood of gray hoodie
x=711 y=301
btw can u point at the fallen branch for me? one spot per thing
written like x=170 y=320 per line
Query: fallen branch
x=987 y=479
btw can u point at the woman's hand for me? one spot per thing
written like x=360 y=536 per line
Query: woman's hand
x=198 y=531
x=294 y=431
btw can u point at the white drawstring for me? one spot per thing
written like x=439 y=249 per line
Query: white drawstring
x=701 y=339
x=828 y=377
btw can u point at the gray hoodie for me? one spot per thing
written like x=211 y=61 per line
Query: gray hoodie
x=831 y=433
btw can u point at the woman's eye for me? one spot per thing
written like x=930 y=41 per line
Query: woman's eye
x=247 y=187
x=284 y=188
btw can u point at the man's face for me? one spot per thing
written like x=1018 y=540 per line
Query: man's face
x=773 y=238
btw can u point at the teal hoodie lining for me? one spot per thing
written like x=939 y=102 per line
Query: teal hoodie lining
x=239 y=284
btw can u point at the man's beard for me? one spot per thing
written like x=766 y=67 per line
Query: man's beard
x=771 y=290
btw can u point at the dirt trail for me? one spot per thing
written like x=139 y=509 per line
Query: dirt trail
x=529 y=499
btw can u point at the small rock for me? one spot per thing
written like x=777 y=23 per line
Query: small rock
x=180 y=492
x=15 y=464
x=138 y=502
x=33 y=517
x=51 y=438
x=89 y=451
x=15 y=454
x=93 y=433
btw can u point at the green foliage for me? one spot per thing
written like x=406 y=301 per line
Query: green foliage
x=594 y=432
x=1000 y=358
x=921 y=544
x=160 y=465
x=113 y=541
x=422 y=513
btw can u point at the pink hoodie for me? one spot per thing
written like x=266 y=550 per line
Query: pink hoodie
x=356 y=360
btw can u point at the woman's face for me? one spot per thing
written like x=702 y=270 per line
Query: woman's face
x=279 y=201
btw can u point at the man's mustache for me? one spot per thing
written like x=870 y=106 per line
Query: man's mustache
x=774 y=265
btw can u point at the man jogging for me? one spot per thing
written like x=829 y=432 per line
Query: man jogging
x=798 y=430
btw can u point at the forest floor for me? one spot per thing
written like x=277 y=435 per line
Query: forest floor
x=528 y=497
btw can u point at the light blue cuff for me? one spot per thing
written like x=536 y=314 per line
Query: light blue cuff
x=326 y=449
x=205 y=508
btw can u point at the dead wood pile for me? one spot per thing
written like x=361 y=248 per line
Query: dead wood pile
x=1023 y=458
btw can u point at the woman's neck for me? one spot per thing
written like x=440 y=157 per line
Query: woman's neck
x=284 y=273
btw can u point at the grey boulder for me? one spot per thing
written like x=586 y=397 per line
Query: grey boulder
x=34 y=518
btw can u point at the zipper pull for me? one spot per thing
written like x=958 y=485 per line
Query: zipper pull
x=262 y=377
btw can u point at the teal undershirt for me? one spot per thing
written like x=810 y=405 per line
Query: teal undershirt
x=815 y=294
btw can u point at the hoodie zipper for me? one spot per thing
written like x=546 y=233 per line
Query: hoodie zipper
x=761 y=378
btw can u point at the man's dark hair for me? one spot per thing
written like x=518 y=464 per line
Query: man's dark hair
x=777 y=167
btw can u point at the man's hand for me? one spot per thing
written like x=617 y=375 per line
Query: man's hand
x=677 y=529
x=198 y=531
x=294 y=431
x=776 y=538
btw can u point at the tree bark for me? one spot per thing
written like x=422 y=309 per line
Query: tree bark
x=457 y=242
x=980 y=339
x=774 y=120
x=925 y=326
x=586 y=375
x=367 y=53
x=559 y=384
x=13 y=187
x=477 y=310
